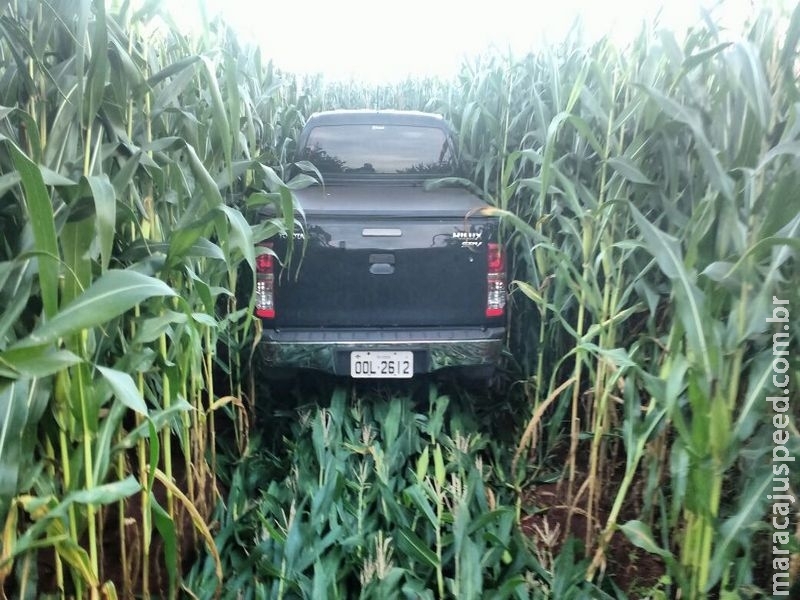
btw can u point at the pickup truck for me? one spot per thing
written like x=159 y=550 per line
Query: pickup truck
x=391 y=276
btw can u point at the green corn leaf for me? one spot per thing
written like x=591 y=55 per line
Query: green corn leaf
x=107 y=298
x=152 y=328
x=308 y=167
x=748 y=413
x=240 y=236
x=733 y=531
x=719 y=430
x=8 y=535
x=35 y=361
x=301 y=181
x=166 y=527
x=106 y=493
x=234 y=101
x=410 y=544
x=98 y=65
x=667 y=252
x=205 y=320
x=20 y=281
x=618 y=358
x=76 y=242
x=640 y=535
x=392 y=422
x=628 y=170
x=71 y=553
x=123 y=178
x=50 y=177
x=183 y=240
x=40 y=215
x=105 y=203
x=422 y=465
x=530 y=292
x=708 y=156
x=154 y=453
x=107 y=430
x=439 y=471
x=83 y=9
x=698 y=58
x=220 y=116
x=30 y=399
x=123 y=63
x=172 y=70
x=159 y=418
x=470 y=576
x=169 y=94
x=274 y=183
x=124 y=389
x=9 y=181
x=416 y=495
x=752 y=80
x=211 y=194
x=788 y=52
x=201 y=203
x=461 y=520
x=13 y=419
x=483 y=520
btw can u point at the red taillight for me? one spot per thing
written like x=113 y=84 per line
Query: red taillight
x=264 y=261
x=265 y=283
x=497 y=261
x=495 y=281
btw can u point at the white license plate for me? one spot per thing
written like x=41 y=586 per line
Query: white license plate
x=382 y=365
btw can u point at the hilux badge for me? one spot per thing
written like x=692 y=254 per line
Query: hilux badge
x=469 y=239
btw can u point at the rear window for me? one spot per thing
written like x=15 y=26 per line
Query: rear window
x=380 y=149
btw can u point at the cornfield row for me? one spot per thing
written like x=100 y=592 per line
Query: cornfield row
x=651 y=199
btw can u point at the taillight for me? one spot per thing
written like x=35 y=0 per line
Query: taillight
x=496 y=281
x=265 y=284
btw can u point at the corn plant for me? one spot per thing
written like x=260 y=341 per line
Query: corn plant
x=121 y=163
x=380 y=500
x=642 y=191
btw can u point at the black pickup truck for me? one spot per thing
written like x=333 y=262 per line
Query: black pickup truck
x=395 y=276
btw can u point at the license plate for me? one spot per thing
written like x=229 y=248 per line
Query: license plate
x=381 y=365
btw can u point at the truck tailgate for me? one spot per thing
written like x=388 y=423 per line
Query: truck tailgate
x=371 y=263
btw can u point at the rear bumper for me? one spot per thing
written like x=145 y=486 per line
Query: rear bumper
x=329 y=350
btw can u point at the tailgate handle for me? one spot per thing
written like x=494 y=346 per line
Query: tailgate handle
x=381 y=264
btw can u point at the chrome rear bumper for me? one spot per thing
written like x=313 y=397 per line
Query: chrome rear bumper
x=329 y=350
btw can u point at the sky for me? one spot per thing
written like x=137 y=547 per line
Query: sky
x=381 y=42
